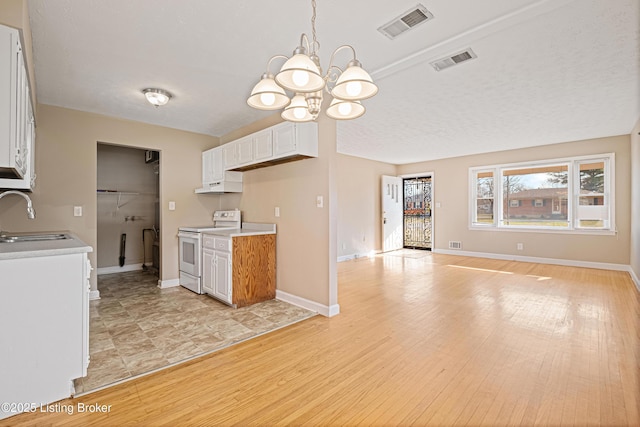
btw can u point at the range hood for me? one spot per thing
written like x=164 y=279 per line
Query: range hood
x=231 y=182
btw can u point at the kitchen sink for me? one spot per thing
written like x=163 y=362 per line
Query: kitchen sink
x=15 y=238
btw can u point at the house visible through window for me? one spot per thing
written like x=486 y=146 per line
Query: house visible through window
x=573 y=194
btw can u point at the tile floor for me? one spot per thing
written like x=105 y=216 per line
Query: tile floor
x=136 y=327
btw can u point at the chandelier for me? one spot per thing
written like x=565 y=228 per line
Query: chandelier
x=302 y=75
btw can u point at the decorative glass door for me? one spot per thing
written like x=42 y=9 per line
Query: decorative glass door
x=417 y=213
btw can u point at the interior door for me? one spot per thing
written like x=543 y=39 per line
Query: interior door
x=392 y=235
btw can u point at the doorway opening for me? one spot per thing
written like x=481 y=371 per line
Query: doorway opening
x=128 y=209
x=417 y=218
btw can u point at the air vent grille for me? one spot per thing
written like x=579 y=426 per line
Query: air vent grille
x=450 y=61
x=406 y=21
x=455 y=244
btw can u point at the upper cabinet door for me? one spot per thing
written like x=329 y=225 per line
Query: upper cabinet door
x=230 y=154
x=16 y=115
x=284 y=138
x=245 y=150
x=212 y=170
x=263 y=145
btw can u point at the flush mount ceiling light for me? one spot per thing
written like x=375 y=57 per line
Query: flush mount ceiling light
x=302 y=76
x=157 y=97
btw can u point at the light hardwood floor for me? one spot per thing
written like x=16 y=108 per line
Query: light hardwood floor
x=425 y=339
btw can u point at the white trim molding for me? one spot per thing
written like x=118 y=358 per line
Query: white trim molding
x=635 y=279
x=567 y=262
x=118 y=269
x=94 y=295
x=327 y=311
x=169 y=283
x=370 y=254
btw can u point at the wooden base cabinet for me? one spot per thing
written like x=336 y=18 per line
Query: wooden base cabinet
x=239 y=270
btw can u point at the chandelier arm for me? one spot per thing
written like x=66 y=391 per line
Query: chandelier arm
x=344 y=46
x=272 y=58
x=305 y=39
x=331 y=77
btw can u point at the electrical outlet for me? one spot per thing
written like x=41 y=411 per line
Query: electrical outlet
x=519 y=246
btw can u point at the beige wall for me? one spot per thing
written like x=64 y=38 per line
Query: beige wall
x=306 y=234
x=451 y=219
x=66 y=166
x=635 y=202
x=359 y=205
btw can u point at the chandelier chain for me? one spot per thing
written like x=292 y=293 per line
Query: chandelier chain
x=315 y=45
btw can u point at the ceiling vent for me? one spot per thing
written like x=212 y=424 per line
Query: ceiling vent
x=455 y=59
x=408 y=20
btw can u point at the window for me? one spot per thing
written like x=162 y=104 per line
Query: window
x=573 y=194
x=484 y=198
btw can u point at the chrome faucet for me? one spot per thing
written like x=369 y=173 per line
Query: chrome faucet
x=31 y=213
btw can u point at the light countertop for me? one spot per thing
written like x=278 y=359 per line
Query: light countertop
x=248 y=229
x=43 y=248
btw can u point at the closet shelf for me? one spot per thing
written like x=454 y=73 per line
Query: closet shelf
x=119 y=194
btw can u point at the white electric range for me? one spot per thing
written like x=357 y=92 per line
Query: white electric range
x=190 y=247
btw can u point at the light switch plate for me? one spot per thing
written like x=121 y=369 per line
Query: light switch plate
x=77 y=211
x=172 y=206
x=277 y=211
x=319 y=201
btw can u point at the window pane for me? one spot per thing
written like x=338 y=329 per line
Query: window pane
x=484 y=198
x=593 y=211
x=536 y=196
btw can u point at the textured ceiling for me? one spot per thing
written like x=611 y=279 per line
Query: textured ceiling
x=547 y=71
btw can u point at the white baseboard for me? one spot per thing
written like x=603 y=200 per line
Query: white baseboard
x=118 y=269
x=327 y=311
x=356 y=256
x=554 y=261
x=170 y=283
x=94 y=295
x=634 y=277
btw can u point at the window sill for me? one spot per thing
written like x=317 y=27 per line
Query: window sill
x=544 y=230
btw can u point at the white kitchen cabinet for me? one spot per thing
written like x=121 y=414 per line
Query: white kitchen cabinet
x=284 y=140
x=216 y=272
x=230 y=155
x=222 y=285
x=245 y=150
x=17 y=134
x=44 y=307
x=252 y=148
x=208 y=271
x=281 y=143
x=263 y=145
x=212 y=169
x=215 y=179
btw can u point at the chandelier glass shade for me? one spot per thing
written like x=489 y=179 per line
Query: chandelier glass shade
x=267 y=95
x=297 y=110
x=342 y=109
x=302 y=75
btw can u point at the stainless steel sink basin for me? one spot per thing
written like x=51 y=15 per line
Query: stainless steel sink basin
x=15 y=238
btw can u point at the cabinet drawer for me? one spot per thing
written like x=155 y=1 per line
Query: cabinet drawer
x=208 y=242
x=223 y=244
